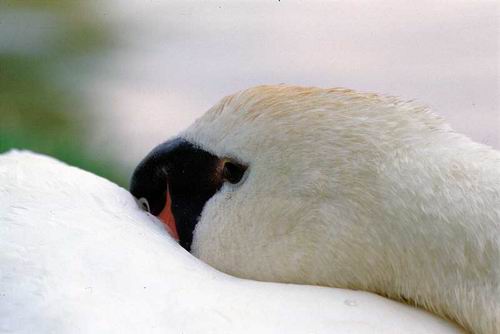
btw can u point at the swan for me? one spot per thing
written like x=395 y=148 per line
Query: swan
x=337 y=188
x=78 y=255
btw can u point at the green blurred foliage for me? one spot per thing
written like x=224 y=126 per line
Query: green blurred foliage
x=48 y=50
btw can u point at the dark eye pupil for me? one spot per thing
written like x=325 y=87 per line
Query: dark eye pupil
x=233 y=172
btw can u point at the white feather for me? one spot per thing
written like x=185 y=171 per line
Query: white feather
x=77 y=255
x=355 y=190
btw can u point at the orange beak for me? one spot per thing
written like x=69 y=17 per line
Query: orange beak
x=167 y=217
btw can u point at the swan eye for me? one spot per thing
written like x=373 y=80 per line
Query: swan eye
x=144 y=204
x=233 y=172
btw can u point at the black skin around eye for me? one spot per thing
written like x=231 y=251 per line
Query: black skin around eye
x=233 y=172
x=191 y=176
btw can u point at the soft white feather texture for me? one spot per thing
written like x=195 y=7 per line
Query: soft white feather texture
x=355 y=190
x=77 y=255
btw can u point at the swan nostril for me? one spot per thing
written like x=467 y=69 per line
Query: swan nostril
x=143 y=202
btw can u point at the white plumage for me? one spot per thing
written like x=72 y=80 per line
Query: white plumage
x=354 y=190
x=78 y=256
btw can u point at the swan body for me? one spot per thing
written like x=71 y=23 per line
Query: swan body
x=77 y=255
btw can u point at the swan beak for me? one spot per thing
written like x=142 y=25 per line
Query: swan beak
x=173 y=182
x=167 y=217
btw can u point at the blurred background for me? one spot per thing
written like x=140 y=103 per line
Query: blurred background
x=99 y=83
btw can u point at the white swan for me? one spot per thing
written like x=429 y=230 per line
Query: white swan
x=78 y=256
x=337 y=188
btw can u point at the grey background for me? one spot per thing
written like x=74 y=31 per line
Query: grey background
x=177 y=58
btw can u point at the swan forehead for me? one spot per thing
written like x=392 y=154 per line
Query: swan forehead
x=256 y=120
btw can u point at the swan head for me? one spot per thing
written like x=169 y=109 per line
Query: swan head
x=279 y=182
x=337 y=188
